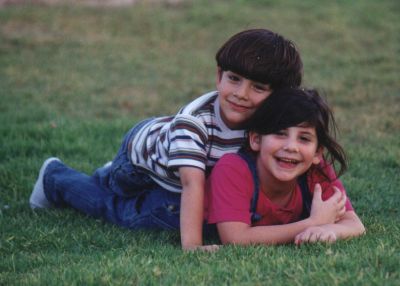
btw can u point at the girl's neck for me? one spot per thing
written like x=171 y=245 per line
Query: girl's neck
x=279 y=195
x=277 y=191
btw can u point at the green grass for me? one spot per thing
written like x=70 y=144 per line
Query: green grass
x=74 y=79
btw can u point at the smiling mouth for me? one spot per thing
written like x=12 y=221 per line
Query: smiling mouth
x=288 y=161
x=238 y=107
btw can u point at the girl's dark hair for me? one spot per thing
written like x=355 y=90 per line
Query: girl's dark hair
x=290 y=107
x=263 y=56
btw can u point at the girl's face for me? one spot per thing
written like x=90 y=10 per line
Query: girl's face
x=287 y=154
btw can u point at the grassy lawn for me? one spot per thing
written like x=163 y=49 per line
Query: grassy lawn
x=74 y=79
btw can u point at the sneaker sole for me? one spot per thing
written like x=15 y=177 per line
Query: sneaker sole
x=38 y=198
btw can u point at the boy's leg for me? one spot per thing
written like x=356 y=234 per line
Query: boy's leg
x=155 y=208
x=121 y=176
x=38 y=198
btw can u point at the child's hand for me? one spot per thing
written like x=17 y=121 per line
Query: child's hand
x=206 y=248
x=341 y=204
x=329 y=211
x=315 y=234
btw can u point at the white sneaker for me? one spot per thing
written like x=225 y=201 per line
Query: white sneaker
x=108 y=164
x=38 y=198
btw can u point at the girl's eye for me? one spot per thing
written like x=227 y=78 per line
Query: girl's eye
x=305 y=139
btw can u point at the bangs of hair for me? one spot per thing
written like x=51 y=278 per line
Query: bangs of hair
x=283 y=109
x=249 y=58
x=262 y=56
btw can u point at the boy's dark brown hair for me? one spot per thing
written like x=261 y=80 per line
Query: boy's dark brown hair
x=263 y=56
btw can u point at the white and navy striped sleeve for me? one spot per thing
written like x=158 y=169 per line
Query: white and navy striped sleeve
x=187 y=142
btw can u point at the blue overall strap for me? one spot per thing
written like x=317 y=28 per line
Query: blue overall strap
x=302 y=181
x=252 y=166
x=306 y=196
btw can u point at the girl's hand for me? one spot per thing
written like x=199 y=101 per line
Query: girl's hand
x=315 y=234
x=329 y=211
x=341 y=204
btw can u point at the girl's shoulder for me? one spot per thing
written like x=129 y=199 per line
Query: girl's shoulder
x=326 y=176
x=323 y=173
x=233 y=166
x=233 y=159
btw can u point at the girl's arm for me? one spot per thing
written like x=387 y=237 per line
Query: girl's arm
x=322 y=213
x=348 y=226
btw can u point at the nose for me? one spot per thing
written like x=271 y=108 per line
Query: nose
x=242 y=91
x=291 y=146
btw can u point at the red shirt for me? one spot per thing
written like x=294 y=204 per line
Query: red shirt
x=230 y=189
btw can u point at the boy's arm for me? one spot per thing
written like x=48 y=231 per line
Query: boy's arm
x=192 y=208
x=349 y=225
x=322 y=212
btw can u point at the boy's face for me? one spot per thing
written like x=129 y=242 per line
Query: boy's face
x=239 y=97
x=286 y=154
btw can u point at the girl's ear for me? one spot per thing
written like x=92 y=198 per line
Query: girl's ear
x=318 y=155
x=254 y=141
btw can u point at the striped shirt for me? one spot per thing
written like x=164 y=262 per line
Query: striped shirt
x=195 y=137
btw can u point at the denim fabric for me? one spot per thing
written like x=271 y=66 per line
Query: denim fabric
x=122 y=177
x=120 y=193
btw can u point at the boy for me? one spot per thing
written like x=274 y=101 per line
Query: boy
x=157 y=179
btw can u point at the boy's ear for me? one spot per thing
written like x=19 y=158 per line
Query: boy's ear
x=318 y=155
x=254 y=141
x=219 y=75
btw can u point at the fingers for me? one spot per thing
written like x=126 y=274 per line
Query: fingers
x=311 y=237
x=317 y=196
x=342 y=198
x=341 y=204
x=206 y=248
x=328 y=237
x=329 y=211
x=340 y=213
x=298 y=239
x=337 y=195
x=302 y=237
x=315 y=234
x=317 y=192
x=211 y=248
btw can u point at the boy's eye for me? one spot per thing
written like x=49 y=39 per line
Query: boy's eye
x=280 y=133
x=259 y=88
x=233 y=77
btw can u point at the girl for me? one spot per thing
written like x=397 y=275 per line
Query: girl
x=281 y=187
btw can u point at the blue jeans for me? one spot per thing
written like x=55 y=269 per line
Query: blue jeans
x=121 y=193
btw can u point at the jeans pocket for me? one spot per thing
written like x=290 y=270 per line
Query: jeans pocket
x=161 y=218
x=156 y=209
x=166 y=217
x=126 y=179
